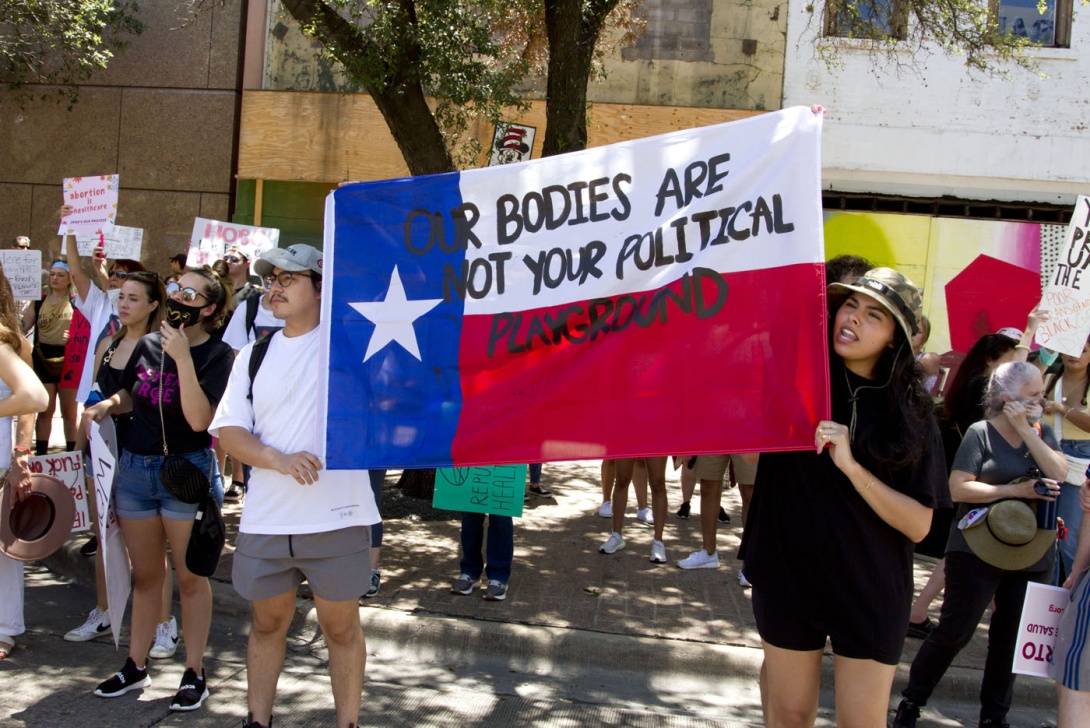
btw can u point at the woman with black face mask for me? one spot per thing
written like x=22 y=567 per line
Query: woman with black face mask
x=172 y=383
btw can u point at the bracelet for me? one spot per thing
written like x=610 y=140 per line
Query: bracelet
x=870 y=482
x=1069 y=411
x=1023 y=347
x=20 y=448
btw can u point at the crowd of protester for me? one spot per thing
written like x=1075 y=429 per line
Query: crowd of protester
x=971 y=457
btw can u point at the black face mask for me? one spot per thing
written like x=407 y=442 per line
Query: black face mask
x=178 y=314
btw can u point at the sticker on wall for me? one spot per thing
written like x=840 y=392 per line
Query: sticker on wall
x=511 y=143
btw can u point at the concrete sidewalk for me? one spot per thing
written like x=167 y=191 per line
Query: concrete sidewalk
x=567 y=603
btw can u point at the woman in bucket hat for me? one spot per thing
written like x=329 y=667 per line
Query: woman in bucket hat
x=829 y=540
x=996 y=545
x=21 y=393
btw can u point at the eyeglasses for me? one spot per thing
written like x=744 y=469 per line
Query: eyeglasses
x=283 y=278
x=122 y=274
x=188 y=295
x=232 y=259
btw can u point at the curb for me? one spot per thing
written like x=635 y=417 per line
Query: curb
x=423 y=635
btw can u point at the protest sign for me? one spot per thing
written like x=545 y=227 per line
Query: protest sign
x=1041 y=612
x=119 y=242
x=659 y=296
x=75 y=351
x=115 y=556
x=1067 y=297
x=23 y=269
x=211 y=239
x=67 y=467
x=94 y=204
x=497 y=489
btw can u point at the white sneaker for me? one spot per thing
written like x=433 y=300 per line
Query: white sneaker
x=166 y=640
x=700 y=560
x=614 y=544
x=658 y=552
x=743 y=581
x=97 y=624
x=606 y=510
x=643 y=515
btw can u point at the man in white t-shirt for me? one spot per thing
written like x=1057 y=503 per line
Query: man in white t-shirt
x=299 y=520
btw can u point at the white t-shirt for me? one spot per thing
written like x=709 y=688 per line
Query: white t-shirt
x=284 y=415
x=101 y=313
x=237 y=336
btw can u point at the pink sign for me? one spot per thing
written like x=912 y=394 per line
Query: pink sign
x=94 y=204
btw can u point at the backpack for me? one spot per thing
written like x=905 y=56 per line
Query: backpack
x=257 y=355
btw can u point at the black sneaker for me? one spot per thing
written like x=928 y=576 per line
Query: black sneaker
x=920 y=630
x=90 y=548
x=723 y=517
x=251 y=723
x=907 y=714
x=191 y=693
x=232 y=494
x=374 y=584
x=683 y=512
x=126 y=679
x=994 y=723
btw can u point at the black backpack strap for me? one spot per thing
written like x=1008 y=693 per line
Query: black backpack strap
x=257 y=355
x=252 y=304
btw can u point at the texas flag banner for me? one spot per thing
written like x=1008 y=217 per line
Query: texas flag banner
x=663 y=296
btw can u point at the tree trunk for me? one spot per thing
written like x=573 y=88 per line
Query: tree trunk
x=401 y=101
x=572 y=36
x=418 y=483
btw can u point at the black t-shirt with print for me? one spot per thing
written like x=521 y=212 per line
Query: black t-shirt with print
x=212 y=361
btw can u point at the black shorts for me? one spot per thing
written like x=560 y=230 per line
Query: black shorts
x=790 y=626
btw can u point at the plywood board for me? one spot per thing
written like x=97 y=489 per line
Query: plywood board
x=326 y=137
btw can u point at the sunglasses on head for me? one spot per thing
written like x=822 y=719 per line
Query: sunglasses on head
x=188 y=295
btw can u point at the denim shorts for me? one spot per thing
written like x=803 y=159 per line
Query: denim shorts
x=139 y=494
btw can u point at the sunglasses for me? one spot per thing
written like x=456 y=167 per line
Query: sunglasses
x=283 y=278
x=122 y=274
x=188 y=295
x=232 y=259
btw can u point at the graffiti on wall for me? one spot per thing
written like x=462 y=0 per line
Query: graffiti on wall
x=978 y=276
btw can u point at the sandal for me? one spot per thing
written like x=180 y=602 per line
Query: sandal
x=541 y=490
x=7 y=646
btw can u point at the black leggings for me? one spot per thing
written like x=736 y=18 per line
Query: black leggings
x=970 y=586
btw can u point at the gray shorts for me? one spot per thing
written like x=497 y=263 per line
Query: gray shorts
x=336 y=564
x=1071 y=658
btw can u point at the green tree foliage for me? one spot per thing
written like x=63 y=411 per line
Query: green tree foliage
x=470 y=57
x=61 y=42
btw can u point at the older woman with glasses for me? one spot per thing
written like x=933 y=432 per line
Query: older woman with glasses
x=172 y=383
x=991 y=466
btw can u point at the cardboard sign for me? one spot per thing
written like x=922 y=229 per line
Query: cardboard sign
x=23 y=269
x=67 y=467
x=211 y=239
x=94 y=204
x=496 y=489
x=511 y=143
x=120 y=242
x=1067 y=297
x=1036 y=639
x=115 y=556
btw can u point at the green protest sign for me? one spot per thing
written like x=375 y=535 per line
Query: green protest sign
x=496 y=489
